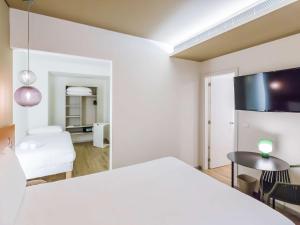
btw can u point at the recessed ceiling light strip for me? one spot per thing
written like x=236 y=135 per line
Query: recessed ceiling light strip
x=239 y=19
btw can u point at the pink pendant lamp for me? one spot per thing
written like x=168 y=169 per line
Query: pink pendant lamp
x=27 y=96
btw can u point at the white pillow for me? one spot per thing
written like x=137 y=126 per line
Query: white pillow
x=79 y=89
x=29 y=145
x=12 y=186
x=45 y=130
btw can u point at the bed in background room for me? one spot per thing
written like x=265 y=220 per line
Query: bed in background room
x=160 y=192
x=46 y=151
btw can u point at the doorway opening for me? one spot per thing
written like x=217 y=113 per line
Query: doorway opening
x=71 y=127
x=220 y=117
x=85 y=116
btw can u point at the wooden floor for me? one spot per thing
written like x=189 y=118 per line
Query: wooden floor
x=223 y=174
x=89 y=159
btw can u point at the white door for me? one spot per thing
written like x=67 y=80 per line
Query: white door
x=221 y=128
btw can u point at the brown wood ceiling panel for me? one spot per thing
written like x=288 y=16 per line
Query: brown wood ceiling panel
x=278 y=24
x=141 y=18
x=135 y=17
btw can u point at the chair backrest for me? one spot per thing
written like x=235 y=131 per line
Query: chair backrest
x=289 y=193
x=294 y=166
x=269 y=178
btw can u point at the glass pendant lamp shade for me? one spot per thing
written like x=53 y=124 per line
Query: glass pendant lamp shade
x=27 y=77
x=28 y=96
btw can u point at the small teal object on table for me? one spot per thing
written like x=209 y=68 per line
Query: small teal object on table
x=265 y=146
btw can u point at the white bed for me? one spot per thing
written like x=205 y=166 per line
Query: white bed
x=160 y=192
x=54 y=155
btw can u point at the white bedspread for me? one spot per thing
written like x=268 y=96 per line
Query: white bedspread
x=56 y=150
x=160 y=192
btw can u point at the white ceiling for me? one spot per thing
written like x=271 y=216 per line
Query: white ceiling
x=195 y=16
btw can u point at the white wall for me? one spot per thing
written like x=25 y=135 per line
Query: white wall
x=155 y=98
x=283 y=128
x=20 y=114
x=42 y=64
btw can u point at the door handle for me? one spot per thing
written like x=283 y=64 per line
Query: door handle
x=231 y=123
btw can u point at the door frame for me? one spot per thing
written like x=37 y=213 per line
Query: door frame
x=207 y=114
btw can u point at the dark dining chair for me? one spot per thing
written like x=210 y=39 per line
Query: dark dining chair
x=269 y=178
x=285 y=192
x=277 y=186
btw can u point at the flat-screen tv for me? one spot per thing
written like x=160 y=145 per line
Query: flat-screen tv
x=276 y=91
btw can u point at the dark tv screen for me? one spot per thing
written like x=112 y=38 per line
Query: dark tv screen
x=277 y=91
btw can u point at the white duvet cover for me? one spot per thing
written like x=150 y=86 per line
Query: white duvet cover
x=160 y=192
x=55 y=154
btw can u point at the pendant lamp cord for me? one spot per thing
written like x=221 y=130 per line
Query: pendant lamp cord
x=29 y=2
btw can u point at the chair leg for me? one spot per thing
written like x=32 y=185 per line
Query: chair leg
x=262 y=197
x=273 y=203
